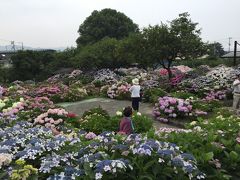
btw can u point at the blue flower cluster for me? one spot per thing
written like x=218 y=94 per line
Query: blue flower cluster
x=107 y=155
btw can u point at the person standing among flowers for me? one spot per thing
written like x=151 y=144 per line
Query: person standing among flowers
x=135 y=94
x=236 y=92
x=126 y=124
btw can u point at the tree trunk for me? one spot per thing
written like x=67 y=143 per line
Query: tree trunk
x=169 y=73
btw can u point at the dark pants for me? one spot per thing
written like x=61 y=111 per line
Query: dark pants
x=135 y=103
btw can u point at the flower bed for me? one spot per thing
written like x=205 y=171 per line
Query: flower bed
x=106 y=156
x=214 y=142
x=169 y=108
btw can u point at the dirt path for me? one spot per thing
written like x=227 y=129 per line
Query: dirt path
x=111 y=105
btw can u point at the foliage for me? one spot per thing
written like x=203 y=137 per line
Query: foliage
x=30 y=65
x=142 y=123
x=215 y=144
x=215 y=50
x=159 y=46
x=105 y=23
x=99 y=110
x=152 y=95
x=182 y=95
x=207 y=106
x=98 y=123
x=23 y=171
x=62 y=59
x=102 y=54
x=188 y=42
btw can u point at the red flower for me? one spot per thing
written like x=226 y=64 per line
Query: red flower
x=72 y=115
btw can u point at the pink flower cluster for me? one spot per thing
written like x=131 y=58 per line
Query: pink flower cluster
x=90 y=135
x=48 y=90
x=170 y=107
x=51 y=118
x=218 y=95
x=124 y=88
x=117 y=89
x=183 y=69
x=39 y=103
x=176 y=80
x=199 y=112
x=164 y=72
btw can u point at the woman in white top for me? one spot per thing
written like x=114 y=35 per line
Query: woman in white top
x=135 y=94
x=236 y=92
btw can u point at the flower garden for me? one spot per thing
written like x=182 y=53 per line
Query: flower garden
x=41 y=140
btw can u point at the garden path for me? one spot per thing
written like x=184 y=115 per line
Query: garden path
x=112 y=106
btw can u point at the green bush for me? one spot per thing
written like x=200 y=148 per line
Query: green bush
x=86 y=79
x=182 y=95
x=207 y=106
x=151 y=95
x=98 y=110
x=124 y=96
x=142 y=123
x=97 y=120
x=98 y=123
x=98 y=83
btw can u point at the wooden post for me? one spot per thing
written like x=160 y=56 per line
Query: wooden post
x=235 y=53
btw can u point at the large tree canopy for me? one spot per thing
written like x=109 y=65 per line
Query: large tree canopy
x=105 y=23
x=160 y=46
x=189 y=42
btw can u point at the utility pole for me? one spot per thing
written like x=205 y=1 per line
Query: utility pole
x=235 y=53
x=13 y=45
x=22 y=46
x=229 y=43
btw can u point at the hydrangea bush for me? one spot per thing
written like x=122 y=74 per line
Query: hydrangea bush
x=170 y=107
x=105 y=156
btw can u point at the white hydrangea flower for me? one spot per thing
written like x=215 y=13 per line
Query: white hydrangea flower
x=98 y=176
x=119 y=113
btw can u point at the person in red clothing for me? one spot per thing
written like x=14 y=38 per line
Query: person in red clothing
x=126 y=124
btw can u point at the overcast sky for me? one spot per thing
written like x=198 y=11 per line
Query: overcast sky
x=54 y=23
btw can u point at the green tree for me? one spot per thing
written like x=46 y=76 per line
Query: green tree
x=99 y=55
x=188 y=42
x=160 y=47
x=105 y=23
x=29 y=65
x=62 y=59
x=215 y=50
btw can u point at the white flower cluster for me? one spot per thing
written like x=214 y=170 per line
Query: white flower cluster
x=5 y=159
x=106 y=75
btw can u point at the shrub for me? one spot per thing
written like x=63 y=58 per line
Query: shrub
x=152 y=95
x=207 y=106
x=142 y=123
x=98 y=83
x=98 y=123
x=182 y=95
x=98 y=110
x=86 y=79
x=75 y=94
